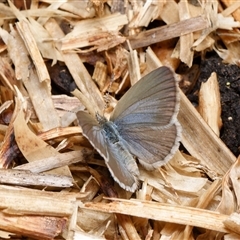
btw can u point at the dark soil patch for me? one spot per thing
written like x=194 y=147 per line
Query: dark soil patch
x=229 y=84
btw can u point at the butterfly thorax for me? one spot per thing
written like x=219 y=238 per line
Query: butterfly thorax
x=109 y=128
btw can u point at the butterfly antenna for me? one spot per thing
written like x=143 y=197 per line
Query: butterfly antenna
x=106 y=96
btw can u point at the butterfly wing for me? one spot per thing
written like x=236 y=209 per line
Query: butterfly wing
x=120 y=162
x=153 y=100
x=146 y=118
x=154 y=147
x=122 y=166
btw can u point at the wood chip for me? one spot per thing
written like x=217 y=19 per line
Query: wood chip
x=160 y=212
x=168 y=32
x=197 y=136
x=209 y=103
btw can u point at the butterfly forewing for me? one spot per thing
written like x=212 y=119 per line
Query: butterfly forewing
x=152 y=101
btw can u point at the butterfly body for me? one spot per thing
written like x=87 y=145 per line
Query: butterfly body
x=109 y=129
x=144 y=124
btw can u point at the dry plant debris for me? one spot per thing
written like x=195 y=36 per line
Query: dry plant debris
x=52 y=185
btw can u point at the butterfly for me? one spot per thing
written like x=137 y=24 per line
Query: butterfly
x=143 y=124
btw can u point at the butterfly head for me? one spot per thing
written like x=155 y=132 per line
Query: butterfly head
x=101 y=119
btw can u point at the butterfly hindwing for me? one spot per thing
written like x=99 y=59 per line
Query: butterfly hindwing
x=154 y=147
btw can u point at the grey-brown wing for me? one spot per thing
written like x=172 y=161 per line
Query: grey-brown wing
x=122 y=166
x=153 y=100
x=120 y=162
x=146 y=118
x=92 y=131
x=154 y=146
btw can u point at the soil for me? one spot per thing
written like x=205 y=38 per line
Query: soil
x=229 y=84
